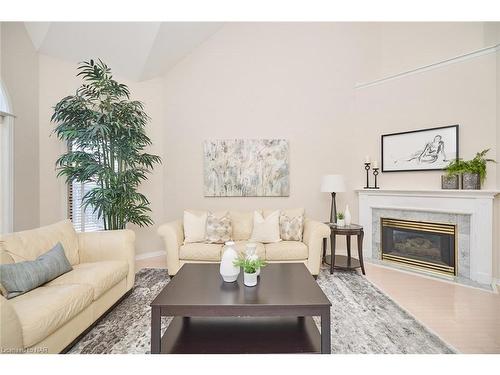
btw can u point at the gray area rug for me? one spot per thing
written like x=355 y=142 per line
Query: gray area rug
x=364 y=319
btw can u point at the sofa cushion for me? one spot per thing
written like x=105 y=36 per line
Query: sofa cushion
x=219 y=228
x=30 y=244
x=195 y=224
x=43 y=310
x=21 y=277
x=291 y=228
x=200 y=251
x=100 y=276
x=286 y=250
x=266 y=229
x=261 y=250
x=242 y=223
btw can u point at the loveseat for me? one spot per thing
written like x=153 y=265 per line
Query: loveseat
x=307 y=251
x=49 y=318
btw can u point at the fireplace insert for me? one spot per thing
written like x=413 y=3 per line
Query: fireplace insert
x=425 y=245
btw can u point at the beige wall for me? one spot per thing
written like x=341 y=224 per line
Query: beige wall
x=20 y=76
x=292 y=81
x=296 y=81
x=58 y=79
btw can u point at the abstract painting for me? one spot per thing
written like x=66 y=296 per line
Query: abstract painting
x=246 y=168
x=420 y=150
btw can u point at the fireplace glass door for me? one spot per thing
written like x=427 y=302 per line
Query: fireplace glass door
x=430 y=246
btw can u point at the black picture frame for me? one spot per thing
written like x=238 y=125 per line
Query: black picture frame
x=430 y=130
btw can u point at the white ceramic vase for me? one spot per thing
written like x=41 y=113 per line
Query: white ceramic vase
x=251 y=253
x=250 y=279
x=347 y=215
x=228 y=270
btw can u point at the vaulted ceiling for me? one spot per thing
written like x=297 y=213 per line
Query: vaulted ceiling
x=135 y=50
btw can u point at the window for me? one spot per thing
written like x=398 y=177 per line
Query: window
x=6 y=163
x=84 y=220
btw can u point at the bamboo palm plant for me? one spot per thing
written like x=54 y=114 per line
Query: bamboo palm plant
x=106 y=133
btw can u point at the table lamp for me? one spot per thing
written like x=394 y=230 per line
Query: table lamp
x=333 y=183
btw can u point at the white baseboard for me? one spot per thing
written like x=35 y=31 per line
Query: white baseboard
x=151 y=254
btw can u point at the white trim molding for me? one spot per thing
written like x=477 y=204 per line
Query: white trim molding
x=152 y=254
x=435 y=65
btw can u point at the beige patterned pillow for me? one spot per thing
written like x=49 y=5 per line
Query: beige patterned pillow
x=219 y=228
x=291 y=228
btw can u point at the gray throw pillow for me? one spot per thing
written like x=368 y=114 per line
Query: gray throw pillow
x=19 y=278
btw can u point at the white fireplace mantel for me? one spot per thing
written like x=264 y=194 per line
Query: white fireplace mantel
x=476 y=203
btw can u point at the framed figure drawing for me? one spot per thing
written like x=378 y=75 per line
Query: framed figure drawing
x=420 y=150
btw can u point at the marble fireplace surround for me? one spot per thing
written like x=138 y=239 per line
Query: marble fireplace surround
x=471 y=210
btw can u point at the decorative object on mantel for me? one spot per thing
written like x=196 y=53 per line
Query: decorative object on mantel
x=246 y=168
x=419 y=150
x=228 y=270
x=472 y=173
x=347 y=214
x=368 y=165
x=333 y=183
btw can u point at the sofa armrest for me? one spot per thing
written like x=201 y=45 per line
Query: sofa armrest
x=11 y=333
x=173 y=236
x=109 y=245
x=314 y=232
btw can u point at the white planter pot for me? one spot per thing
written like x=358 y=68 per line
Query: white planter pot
x=340 y=222
x=228 y=270
x=250 y=279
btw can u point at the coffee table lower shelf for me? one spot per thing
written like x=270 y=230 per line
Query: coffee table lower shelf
x=241 y=335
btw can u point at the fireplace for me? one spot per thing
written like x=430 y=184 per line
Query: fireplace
x=424 y=245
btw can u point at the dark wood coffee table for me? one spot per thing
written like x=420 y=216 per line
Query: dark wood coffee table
x=211 y=316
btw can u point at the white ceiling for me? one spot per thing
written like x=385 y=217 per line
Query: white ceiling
x=135 y=50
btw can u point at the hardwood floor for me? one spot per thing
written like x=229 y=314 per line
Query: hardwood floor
x=466 y=318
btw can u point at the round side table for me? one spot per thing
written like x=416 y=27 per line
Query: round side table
x=342 y=261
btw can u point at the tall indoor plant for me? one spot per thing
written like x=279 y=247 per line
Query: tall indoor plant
x=107 y=138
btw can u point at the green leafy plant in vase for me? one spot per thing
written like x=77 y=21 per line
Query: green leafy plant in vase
x=454 y=171
x=250 y=267
x=474 y=173
x=340 y=219
x=106 y=135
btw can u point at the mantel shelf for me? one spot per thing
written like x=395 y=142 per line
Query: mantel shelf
x=437 y=192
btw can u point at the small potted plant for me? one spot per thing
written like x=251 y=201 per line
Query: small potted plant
x=451 y=180
x=250 y=267
x=474 y=172
x=340 y=219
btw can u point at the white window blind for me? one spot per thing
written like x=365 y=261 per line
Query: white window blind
x=84 y=220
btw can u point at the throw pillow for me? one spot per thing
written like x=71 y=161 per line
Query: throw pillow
x=194 y=226
x=219 y=228
x=266 y=230
x=19 y=278
x=291 y=228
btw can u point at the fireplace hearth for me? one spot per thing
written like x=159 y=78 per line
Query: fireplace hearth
x=424 y=245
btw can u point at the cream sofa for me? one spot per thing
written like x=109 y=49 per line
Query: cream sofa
x=308 y=251
x=48 y=318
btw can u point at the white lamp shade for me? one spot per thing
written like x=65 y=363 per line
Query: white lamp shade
x=332 y=183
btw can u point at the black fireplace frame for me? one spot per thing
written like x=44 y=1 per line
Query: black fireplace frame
x=433 y=227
